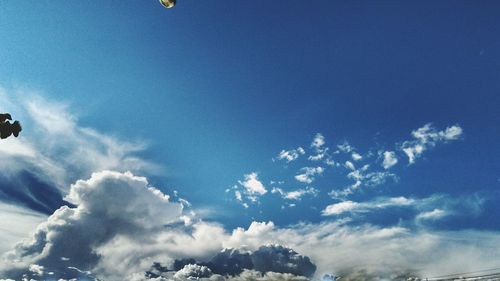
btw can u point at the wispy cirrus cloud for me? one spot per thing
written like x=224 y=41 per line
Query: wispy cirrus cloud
x=426 y=210
x=295 y=194
x=51 y=153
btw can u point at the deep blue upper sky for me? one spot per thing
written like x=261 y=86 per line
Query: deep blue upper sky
x=219 y=88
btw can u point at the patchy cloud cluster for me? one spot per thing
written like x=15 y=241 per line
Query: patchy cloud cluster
x=427 y=137
x=364 y=170
x=291 y=155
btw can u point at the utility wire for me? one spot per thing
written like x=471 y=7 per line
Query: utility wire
x=464 y=276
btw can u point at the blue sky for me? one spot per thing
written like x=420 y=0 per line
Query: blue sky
x=204 y=97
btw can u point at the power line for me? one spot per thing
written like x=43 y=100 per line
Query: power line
x=489 y=277
x=465 y=273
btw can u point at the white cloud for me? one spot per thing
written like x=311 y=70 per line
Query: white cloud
x=319 y=148
x=356 y=156
x=253 y=185
x=251 y=275
x=332 y=163
x=291 y=155
x=54 y=151
x=295 y=194
x=378 y=178
x=426 y=137
x=308 y=174
x=318 y=141
x=17 y=223
x=451 y=133
x=390 y=159
x=251 y=188
x=193 y=271
x=339 y=208
x=36 y=269
x=345 y=147
x=57 y=150
x=108 y=205
x=129 y=236
x=238 y=196
x=432 y=215
x=355 y=207
x=349 y=165
x=428 y=209
x=413 y=152
x=318 y=156
x=361 y=177
x=246 y=275
x=382 y=251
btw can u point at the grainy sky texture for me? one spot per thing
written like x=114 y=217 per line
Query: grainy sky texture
x=358 y=139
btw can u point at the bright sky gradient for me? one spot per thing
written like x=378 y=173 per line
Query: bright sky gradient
x=382 y=113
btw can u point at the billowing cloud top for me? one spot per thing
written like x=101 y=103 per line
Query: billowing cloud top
x=109 y=204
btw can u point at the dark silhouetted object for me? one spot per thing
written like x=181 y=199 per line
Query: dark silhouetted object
x=4 y=117
x=6 y=128
x=168 y=3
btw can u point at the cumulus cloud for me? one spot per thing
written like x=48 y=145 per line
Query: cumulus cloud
x=390 y=159
x=308 y=174
x=318 y=141
x=252 y=275
x=291 y=155
x=249 y=189
x=246 y=275
x=318 y=144
x=253 y=185
x=108 y=205
x=36 y=269
x=53 y=152
x=345 y=147
x=116 y=225
x=356 y=156
x=233 y=262
x=276 y=258
x=333 y=246
x=349 y=165
x=193 y=271
x=427 y=137
x=380 y=251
